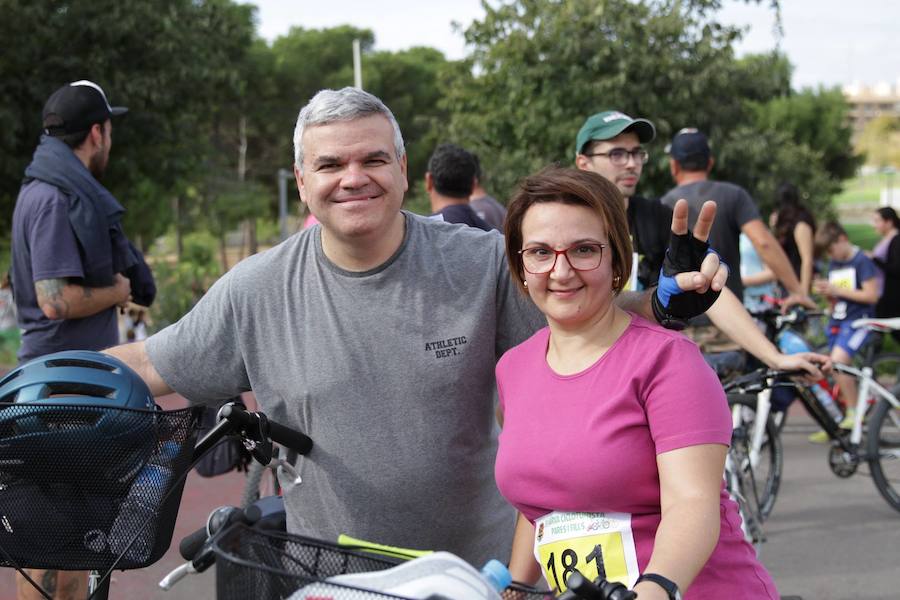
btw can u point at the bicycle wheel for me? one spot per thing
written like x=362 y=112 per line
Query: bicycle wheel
x=763 y=469
x=884 y=450
x=740 y=492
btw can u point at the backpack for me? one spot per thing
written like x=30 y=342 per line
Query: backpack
x=227 y=455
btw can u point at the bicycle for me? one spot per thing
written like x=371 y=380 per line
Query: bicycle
x=255 y=557
x=144 y=466
x=881 y=422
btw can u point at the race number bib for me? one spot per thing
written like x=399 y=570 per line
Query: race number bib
x=844 y=279
x=594 y=543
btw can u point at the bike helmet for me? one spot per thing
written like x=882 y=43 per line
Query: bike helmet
x=78 y=408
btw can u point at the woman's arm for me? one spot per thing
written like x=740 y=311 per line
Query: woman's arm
x=522 y=565
x=803 y=236
x=690 y=482
x=764 y=276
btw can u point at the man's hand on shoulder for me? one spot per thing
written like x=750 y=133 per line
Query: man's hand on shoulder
x=692 y=276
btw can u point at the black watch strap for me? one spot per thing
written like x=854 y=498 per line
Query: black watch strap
x=664 y=582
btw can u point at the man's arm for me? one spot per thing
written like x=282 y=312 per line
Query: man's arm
x=771 y=252
x=135 y=356
x=730 y=316
x=63 y=299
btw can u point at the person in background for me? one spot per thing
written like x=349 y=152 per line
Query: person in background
x=611 y=143
x=795 y=227
x=886 y=257
x=632 y=427
x=758 y=280
x=485 y=205
x=449 y=181
x=851 y=287
x=690 y=163
x=72 y=265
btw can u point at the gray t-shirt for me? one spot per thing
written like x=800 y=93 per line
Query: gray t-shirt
x=390 y=371
x=734 y=208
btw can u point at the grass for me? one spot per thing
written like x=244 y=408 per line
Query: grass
x=862 y=235
x=865 y=189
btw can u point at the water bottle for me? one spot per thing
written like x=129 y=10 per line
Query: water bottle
x=791 y=343
x=437 y=576
x=140 y=508
x=820 y=390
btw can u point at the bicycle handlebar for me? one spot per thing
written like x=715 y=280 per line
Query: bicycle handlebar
x=580 y=588
x=759 y=378
x=253 y=426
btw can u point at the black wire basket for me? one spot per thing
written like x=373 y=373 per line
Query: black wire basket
x=86 y=487
x=270 y=565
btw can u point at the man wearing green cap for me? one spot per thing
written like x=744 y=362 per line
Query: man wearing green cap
x=610 y=144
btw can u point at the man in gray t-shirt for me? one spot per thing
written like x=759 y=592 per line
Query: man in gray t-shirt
x=377 y=333
x=690 y=163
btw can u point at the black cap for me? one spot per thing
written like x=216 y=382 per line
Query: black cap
x=689 y=143
x=75 y=107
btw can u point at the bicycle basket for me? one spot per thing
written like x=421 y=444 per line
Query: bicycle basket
x=73 y=500
x=271 y=565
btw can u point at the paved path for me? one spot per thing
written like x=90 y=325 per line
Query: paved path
x=828 y=538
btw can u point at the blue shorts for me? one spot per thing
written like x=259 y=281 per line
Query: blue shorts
x=843 y=335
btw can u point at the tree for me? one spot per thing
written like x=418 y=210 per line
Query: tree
x=880 y=142
x=168 y=61
x=540 y=67
x=817 y=118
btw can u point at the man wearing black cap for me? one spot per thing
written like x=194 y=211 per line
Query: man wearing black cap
x=71 y=262
x=690 y=162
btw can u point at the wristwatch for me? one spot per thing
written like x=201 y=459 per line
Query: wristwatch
x=664 y=582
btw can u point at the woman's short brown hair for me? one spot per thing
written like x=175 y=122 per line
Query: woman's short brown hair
x=579 y=188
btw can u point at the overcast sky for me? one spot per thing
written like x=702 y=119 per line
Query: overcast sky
x=829 y=42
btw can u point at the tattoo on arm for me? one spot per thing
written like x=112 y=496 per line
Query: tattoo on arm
x=48 y=582
x=50 y=295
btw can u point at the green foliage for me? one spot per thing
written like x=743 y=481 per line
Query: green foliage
x=540 y=67
x=818 y=119
x=760 y=160
x=862 y=234
x=880 y=142
x=168 y=61
x=180 y=284
x=10 y=340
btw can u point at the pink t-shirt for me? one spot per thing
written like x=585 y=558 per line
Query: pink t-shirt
x=588 y=442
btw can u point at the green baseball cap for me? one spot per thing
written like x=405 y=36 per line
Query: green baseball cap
x=610 y=123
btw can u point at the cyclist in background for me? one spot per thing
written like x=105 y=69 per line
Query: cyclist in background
x=851 y=287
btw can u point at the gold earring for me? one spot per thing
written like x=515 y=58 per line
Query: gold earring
x=616 y=280
x=525 y=283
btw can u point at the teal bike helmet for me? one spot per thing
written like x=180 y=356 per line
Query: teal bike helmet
x=84 y=407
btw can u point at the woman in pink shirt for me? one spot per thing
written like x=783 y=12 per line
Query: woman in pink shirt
x=614 y=429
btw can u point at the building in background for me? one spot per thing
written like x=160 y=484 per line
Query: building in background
x=868 y=102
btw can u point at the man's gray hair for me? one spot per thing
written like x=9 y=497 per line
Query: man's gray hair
x=347 y=104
